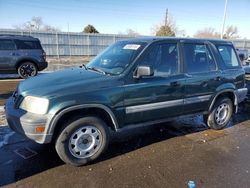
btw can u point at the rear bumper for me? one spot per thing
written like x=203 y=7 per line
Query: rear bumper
x=25 y=123
x=42 y=65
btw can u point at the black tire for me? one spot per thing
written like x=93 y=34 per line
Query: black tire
x=67 y=152
x=27 y=69
x=220 y=115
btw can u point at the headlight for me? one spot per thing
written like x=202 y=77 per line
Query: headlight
x=35 y=105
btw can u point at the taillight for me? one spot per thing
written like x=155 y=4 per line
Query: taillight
x=44 y=56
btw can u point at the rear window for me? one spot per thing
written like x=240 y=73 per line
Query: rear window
x=228 y=56
x=28 y=44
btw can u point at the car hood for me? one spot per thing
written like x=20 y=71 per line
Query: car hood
x=64 y=82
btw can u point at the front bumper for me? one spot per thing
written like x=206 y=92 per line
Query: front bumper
x=241 y=94
x=25 y=123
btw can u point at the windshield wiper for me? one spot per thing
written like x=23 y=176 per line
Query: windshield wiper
x=83 y=65
x=97 y=70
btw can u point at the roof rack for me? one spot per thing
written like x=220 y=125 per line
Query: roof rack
x=9 y=35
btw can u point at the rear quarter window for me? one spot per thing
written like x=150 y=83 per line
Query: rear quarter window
x=29 y=45
x=228 y=56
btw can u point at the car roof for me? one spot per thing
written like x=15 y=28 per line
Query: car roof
x=18 y=37
x=174 y=39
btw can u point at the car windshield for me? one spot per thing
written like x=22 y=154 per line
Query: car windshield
x=116 y=58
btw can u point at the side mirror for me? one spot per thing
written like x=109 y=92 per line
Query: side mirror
x=143 y=71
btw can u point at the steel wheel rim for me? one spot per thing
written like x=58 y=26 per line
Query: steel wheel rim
x=221 y=114
x=85 y=142
x=28 y=70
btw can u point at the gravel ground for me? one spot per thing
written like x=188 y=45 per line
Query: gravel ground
x=65 y=62
x=2 y=117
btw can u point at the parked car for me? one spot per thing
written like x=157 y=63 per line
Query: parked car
x=21 y=54
x=243 y=53
x=133 y=83
x=247 y=78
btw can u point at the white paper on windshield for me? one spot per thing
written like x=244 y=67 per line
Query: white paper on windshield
x=131 y=46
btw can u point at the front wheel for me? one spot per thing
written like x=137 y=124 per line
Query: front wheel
x=220 y=114
x=82 y=141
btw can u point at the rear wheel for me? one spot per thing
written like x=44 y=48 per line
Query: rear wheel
x=27 y=69
x=82 y=140
x=220 y=114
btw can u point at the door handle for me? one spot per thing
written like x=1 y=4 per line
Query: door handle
x=174 y=84
x=188 y=75
x=204 y=84
x=218 y=78
x=13 y=53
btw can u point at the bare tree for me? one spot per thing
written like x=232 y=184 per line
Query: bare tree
x=50 y=28
x=131 y=32
x=36 y=24
x=208 y=32
x=231 y=32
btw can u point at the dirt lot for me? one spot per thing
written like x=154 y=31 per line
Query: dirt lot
x=6 y=88
x=64 y=62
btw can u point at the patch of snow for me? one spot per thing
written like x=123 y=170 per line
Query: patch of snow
x=5 y=134
x=2 y=117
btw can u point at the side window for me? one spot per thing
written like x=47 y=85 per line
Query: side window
x=7 y=44
x=27 y=44
x=228 y=55
x=163 y=58
x=198 y=58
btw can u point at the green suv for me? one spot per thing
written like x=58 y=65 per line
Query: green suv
x=132 y=83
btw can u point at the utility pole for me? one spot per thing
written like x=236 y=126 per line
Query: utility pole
x=166 y=17
x=69 y=42
x=224 y=20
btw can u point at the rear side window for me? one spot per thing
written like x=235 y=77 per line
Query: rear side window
x=23 y=45
x=228 y=55
x=7 y=44
x=198 y=58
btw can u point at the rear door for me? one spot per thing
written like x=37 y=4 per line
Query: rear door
x=7 y=54
x=29 y=48
x=158 y=96
x=202 y=76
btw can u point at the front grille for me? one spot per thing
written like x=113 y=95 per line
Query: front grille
x=15 y=96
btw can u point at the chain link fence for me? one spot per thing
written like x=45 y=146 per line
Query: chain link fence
x=63 y=44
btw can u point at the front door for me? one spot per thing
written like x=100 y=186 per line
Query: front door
x=7 y=54
x=158 y=96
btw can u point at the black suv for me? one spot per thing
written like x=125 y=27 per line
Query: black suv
x=21 y=54
x=132 y=83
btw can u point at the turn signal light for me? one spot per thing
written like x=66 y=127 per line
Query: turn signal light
x=40 y=129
